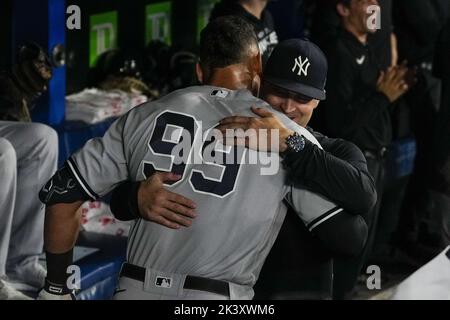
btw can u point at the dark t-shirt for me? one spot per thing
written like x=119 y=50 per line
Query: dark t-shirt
x=354 y=109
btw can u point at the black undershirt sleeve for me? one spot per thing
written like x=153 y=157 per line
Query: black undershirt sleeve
x=124 y=203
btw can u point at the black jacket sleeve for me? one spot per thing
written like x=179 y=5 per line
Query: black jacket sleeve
x=338 y=172
x=344 y=235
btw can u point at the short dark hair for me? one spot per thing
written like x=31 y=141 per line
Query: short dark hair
x=225 y=41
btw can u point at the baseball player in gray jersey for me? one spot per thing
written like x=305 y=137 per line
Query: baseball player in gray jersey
x=220 y=256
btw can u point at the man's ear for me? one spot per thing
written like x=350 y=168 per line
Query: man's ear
x=342 y=10
x=316 y=104
x=199 y=72
x=256 y=73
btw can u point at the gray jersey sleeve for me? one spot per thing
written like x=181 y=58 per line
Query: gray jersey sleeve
x=101 y=164
x=311 y=207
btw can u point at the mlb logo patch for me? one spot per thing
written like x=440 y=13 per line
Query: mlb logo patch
x=162 y=282
x=220 y=94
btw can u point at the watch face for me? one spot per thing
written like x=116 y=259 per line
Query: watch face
x=296 y=142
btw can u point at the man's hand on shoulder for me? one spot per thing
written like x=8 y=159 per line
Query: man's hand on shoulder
x=263 y=133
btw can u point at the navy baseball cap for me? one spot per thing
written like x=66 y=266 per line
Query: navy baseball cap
x=298 y=66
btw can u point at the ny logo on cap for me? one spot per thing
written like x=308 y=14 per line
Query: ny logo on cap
x=302 y=66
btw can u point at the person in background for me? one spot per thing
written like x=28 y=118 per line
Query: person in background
x=322 y=27
x=254 y=12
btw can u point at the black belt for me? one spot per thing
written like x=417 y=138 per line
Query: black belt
x=192 y=283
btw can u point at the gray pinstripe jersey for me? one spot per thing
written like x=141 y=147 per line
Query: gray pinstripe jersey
x=240 y=210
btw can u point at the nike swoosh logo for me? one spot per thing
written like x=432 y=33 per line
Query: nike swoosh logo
x=361 y=60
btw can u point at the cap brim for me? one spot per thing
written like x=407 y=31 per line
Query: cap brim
x=296 y=87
